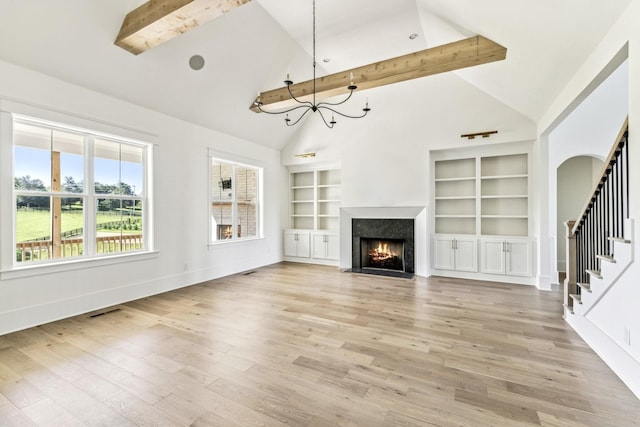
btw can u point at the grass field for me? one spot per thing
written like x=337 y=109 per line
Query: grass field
x=34 y=224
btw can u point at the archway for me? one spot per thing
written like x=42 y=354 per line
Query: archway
x=574 y=178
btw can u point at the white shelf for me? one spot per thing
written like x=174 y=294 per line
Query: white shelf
x=470 y=178
x=455 y=216
x=507 y=196
x=315 y=199
x=457 y=198
x=506 y=216
x=505 y=176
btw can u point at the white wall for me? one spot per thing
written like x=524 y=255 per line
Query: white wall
x=385 y=156
x=181 y=208
x=618 y=309
x=588 y=130
x=575 y=177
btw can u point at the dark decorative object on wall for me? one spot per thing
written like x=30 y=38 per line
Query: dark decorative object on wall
x=225 y=184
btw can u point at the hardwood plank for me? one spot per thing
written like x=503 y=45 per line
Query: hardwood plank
x=304 y=345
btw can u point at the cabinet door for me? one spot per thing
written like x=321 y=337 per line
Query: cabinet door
x=290 y=244
x=466 y=254
x=296 y=244
x=325 y=246
x=319 y=246
x=303 y=247
x=518 y=258
x=492 y=259
x=443 y=256
x=333 y=247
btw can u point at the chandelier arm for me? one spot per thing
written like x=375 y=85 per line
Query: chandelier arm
x=327 y=124
x=324 y=107
x=323 y=103
x=299 y=118
x=284 y=111
x=310 y=104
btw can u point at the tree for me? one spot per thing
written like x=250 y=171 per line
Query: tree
x=70 y=185
x=29 y=184
x=113 y=204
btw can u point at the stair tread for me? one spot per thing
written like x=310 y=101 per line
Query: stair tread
x=576 y=297
x=585 y=286
x=594 y=273
x=619 y=240
x=608 y=258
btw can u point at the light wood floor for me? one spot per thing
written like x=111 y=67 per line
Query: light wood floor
x=303 y=345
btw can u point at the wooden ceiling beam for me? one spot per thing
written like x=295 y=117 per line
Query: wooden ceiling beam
x=440 y=59
x=158 y=21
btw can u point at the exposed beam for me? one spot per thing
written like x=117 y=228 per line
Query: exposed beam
x=158 y=21
x=453 y=56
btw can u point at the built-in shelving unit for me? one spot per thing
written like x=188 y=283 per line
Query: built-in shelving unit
x=314 y=216
x=481 y=202
x=482 y=195
x=504 y=191
x=315 y=200
x=302 y=211
x=455 y=196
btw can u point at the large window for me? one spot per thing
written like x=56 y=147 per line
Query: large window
x=234 y=201
x=77 y=193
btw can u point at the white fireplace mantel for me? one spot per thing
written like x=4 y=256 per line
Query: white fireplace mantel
x=418 y=213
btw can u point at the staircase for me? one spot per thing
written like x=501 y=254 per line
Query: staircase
x=599 y=248
x=611 y=268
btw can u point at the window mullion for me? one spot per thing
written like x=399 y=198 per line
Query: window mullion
x=90 y=198
x=234 y=202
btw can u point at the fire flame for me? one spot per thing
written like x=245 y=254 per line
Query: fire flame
x=382 y=252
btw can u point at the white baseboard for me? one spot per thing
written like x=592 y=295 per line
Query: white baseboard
x=621 y=363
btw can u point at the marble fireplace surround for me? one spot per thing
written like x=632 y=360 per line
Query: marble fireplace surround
x=417 y=213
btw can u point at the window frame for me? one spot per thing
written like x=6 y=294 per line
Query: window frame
x=235 y=163
x=9 y=266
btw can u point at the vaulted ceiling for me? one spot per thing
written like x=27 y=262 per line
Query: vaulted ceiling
x=253 y=47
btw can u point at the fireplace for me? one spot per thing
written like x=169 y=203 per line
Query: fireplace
x=383 y=246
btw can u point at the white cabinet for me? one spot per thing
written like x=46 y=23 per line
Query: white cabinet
x=506 y=256
x=297 y=243
x=325 y=246
x=459 y=253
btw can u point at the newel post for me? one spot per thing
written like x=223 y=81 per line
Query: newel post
x=570 y=286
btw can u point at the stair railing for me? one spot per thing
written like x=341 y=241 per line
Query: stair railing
x=602 y=217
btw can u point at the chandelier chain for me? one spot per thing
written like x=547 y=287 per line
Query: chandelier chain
x=313 y=105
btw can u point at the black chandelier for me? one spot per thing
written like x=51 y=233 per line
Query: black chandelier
x=313 y=106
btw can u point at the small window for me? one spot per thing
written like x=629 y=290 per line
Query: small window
x=234 y=201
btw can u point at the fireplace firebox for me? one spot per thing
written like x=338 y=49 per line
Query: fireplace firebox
x=382 y=254
x=383 y=246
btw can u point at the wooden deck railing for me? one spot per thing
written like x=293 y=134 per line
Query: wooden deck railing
x=602 y=217
x=42 y=249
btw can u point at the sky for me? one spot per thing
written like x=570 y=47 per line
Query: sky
x=37 y=164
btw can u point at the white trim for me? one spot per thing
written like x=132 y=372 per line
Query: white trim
x=71 y=264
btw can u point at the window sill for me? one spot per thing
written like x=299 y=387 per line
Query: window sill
x=76 y=264
x=230 y=241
